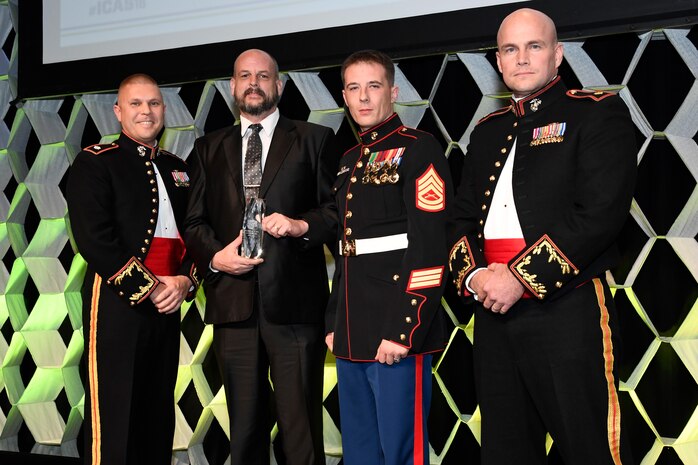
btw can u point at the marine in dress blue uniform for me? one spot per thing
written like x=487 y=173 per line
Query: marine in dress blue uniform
x=393 y=195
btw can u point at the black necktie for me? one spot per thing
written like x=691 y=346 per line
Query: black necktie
x=252 y=174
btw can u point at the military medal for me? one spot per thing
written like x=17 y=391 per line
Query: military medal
x=181 y=178
x=553 y=132
x=382 y=167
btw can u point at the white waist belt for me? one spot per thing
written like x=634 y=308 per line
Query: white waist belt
x=352 y=247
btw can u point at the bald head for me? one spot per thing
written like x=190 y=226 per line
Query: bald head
x=529 y=16
x=528 y=53
x=257 y=56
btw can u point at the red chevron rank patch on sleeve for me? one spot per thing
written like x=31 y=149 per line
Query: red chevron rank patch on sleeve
x=425 y=278
x=430 y=191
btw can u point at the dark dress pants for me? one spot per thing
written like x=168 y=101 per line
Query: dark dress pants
x=292 y=355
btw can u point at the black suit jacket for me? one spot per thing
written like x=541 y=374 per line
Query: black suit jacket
x=297 y=180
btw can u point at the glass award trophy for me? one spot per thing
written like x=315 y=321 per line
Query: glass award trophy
x=252 y=233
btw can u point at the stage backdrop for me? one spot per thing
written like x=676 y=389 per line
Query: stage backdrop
x=41 y=340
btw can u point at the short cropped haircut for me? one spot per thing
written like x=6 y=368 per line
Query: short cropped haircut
x=138 y=78
x=371 y=56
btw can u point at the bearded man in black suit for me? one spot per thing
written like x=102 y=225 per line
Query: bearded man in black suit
x=267 y=312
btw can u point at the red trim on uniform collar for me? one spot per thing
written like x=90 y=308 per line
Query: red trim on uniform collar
x=519 y=109
x=385 y=121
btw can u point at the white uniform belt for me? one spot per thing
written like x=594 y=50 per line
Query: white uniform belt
x=352 y=247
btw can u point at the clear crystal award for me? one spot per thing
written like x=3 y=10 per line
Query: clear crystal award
x=252 y=233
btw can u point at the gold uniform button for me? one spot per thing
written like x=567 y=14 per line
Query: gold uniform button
x=503 y=150
x=540 y=297
x=152 y=181
x=482 y=222
x=497 y=164
x=484 y=207
x=144 y=250
x=152 y=220
x=150 y=231
x=374 y=135
x=492 y=178
x=349 y=196
x=154 y=200
x=408 y=320
x=147 y=241
x=360 y=164
x=348 y=214
x=154 y=189
x=366 y=151
x=396 y=277
x=516 y=123
x=154 y=210
x=558 y=284
x=149 y=172
x=479 y=236
x=133 y=304
x=509 y=137
x=414 y=302
x=347 y=231
x=352 y=179
x=488 y=193
x=402 y=337
x=576 y=272
x=148 y=163
x=121 y=292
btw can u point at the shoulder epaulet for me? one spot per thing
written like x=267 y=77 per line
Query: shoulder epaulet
x=100 y=148
x=501 y=111
x=595 y=95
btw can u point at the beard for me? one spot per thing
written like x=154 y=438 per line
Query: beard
x=269 y=101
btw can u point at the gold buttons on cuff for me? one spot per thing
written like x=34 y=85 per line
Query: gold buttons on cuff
x=408 y=320
x=414 y=302
x=402 y=337
x=396 y=277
